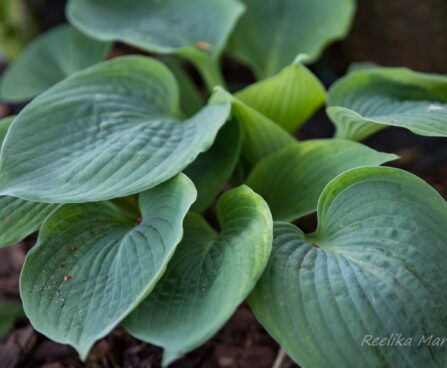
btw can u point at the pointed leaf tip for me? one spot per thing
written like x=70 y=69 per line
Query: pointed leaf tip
x=222 y=269
x=106 y=132
x=373 y=98
x=94 y=280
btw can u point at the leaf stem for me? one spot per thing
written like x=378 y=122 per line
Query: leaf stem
x=207 y=66
x=128 y=205
x=313 y=239
x=279 y=359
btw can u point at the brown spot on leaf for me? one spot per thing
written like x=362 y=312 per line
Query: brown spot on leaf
x=67 y=278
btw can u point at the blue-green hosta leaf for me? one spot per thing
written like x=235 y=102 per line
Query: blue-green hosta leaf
x=292 y=179
x=261 y=136
x=50 y=58
x=374 y=269
x=368 y=100
x=105 y=132
x=5 y=123
x=19 y=218
x=272 y=33
x=195 y=29
x=289 y=98
x=212 y=169
x=92 y=265
x=9 y=313
x=208 y=277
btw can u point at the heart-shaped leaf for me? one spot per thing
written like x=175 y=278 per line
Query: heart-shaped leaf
x=371 y=277
x=47 y=60
x=291 y=180
x=370 y=99
x=105 y=132
x=195 y=29
x=212 y=169
x=272 y=33
x=19 y=218
x=92 y=264
x=208 y=277
x=9 y=313
x=288 y=98
x=261 y=136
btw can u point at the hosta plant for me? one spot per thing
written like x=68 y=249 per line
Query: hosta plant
x=162 y=213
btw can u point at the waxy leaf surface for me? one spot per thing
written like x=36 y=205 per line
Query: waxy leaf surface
x=195 y=29
x=168 y=26
x=209 y=276
x=291 y=180
x=5 y=123
x=105 y=132
x=368 y=100
x=261 y=136
x=47 y=60
x=272 y=33
x=374 y=268
x=289 y=98
x=19 y=218
x=213 y=168
x=93 y=264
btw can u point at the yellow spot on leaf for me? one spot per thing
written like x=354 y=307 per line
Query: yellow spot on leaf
x=202 y=45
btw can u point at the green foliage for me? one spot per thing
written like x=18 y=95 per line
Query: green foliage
x=17 y=27
x=374 y=267
x=183 y=312
x=372 y=98
x=273 y=32
x=114 y=160
x=108 y=131
x=5 y=123
x=289 y=98
x=50 y=58
x=19 y=218
x=92 y=264
x=195 y=29
x=292 y=179
x=213 y=168
x=262 y=136
x=9 y=313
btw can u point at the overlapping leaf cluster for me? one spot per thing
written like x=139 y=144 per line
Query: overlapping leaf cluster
x=116 y=162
